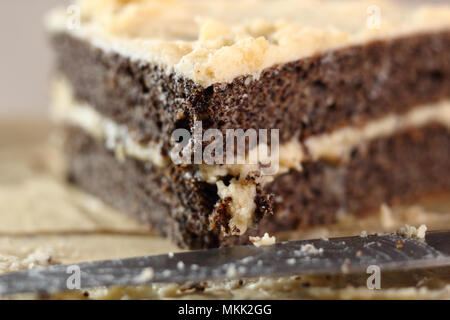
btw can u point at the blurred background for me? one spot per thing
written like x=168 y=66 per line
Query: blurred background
x=25 y=62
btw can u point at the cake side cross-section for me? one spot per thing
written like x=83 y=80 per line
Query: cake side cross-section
x=361 y=105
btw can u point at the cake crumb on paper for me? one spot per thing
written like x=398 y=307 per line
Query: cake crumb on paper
x=408 y=231
x=266 y=240
x=40 y=257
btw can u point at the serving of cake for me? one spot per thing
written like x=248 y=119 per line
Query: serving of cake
x=358 y=91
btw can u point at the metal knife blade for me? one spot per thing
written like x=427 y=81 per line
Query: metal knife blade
x=351 y=254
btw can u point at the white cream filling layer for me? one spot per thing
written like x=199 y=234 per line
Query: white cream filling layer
x=217 y=42
x=338 y=144
x=333 y=146
x=117 y=137
x=290 y=156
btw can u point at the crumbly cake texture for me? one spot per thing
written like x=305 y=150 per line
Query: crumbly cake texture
x=363 y=111
x=413 y=232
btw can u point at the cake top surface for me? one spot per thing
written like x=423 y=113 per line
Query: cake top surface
x=212 y=42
